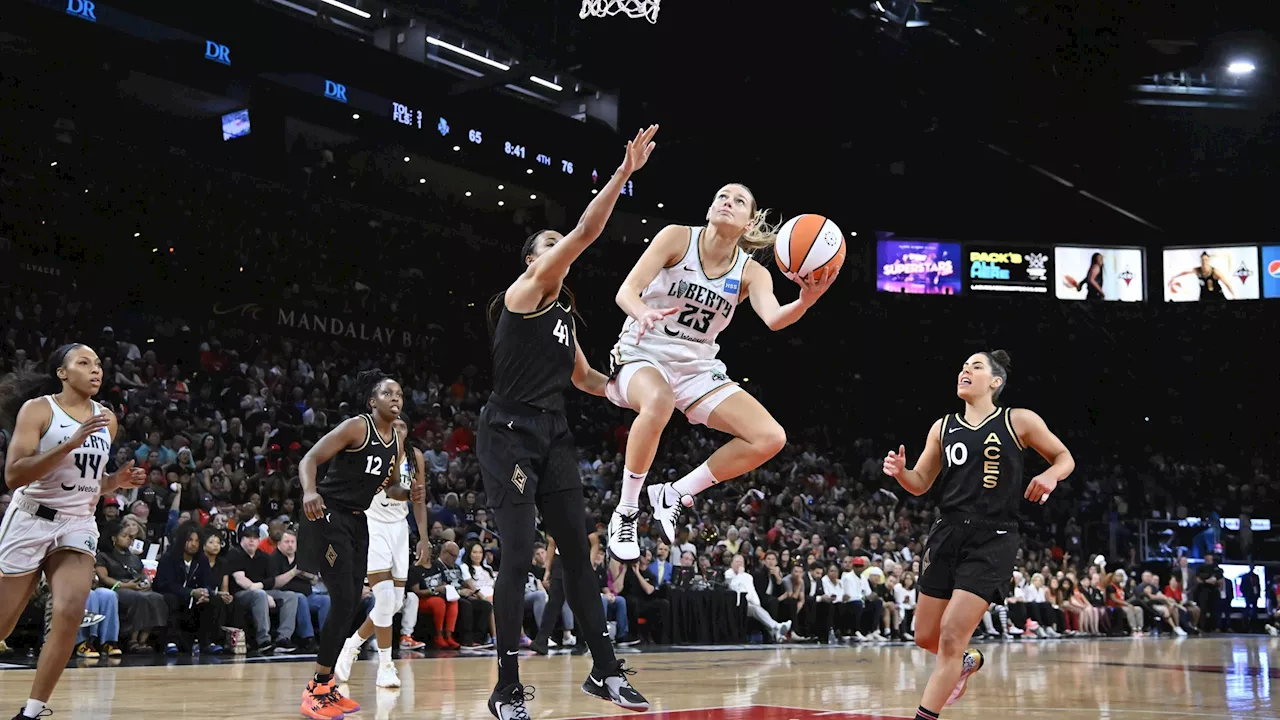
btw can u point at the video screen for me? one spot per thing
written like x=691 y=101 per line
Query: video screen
x=1093 y=273
x=1233 y=573
x=1005 y=269
x=1271 y=271
x=235 y=124
x=917 y=267
x=1211 y=274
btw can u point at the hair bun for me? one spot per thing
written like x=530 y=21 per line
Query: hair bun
x=1001 y=357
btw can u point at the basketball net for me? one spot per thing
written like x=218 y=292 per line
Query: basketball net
x=647 y=9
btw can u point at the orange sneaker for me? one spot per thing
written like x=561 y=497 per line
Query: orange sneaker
x=319 y=702
x=344 y=703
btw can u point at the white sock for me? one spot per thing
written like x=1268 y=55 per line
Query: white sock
x=384 y=656
x=632 y=484
x=695 y=482
x=33 y=708
x=355 y=640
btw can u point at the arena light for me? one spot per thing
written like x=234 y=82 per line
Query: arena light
x=646 y=239
x=348 y=8
x=502 y=187
x=467 y=53
x=501 y=203
x=468 y=193
x=594 y=191
x=1241 y=67
x=528 y=171
x=456 y=148
x=355 y=116
x=422 y=181
x=644 y=221
x=53 y=164
x=659 y=206
x=406 y=158
x=137 y=234
x=533 y=197
x=545 y=83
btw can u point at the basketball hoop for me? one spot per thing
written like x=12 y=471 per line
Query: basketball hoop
x=647 y=9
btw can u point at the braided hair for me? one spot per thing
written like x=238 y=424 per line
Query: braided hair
x=22 y=386
x=366 y=387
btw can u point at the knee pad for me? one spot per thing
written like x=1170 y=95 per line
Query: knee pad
x=384 y=603
x=400 y=595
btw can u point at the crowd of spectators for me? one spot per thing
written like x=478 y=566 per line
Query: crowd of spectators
x=130 y=248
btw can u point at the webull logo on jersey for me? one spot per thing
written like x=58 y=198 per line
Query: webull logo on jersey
x=706 y=297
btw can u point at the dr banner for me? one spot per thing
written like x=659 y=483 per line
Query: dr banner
x=273 y=318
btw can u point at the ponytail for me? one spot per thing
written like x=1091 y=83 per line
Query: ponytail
x=22 y=386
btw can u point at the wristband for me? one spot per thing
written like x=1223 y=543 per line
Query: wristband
x=113 y=587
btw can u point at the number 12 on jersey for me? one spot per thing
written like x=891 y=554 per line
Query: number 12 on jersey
x=561 y=332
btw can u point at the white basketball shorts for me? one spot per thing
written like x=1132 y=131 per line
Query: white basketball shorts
x=389 y=549
x=26 y=540
x=699 y=388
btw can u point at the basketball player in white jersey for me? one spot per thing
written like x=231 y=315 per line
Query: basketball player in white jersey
x=388 y=518
x=56 y=470
x=678 y=298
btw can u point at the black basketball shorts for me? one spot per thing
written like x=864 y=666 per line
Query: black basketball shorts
x=972 y=556
x=524 y=453
x=336 y=544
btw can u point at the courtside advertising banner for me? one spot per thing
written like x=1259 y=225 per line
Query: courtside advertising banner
x=1271 y=271
x=1209 y=274
x=917 y=267
x=1004 y=269
x=1099 y=273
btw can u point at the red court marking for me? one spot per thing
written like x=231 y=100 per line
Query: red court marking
x=757 y=712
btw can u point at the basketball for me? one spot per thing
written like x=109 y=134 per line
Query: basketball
x=809 y=244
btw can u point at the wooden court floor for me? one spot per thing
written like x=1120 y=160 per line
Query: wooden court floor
x=1143 y=679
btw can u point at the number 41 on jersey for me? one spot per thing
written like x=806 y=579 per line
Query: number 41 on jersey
x=561 y=332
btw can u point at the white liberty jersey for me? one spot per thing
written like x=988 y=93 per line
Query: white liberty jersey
x=74 y=485
x=686 y=339
x=385 y=510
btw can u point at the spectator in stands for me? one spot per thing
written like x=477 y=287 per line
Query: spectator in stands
x=252 y=584
x=615 y=605
x=313 y=607
x=102 y=638
x=905 y=597
x=142 y=611
x=815 y=618
x=1251 y=591
x=475 y=614
x=640 y=589
x=1210 y=594
x=185 y=580
x=1161 y=608
x=769 y=586
x=745 y=585
x=1115 y=588
x=1188 y=612
x=428 y=580
x=661 y=566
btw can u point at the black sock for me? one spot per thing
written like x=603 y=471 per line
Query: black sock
x=323 y=678
x=922 y=714
x=508 y=670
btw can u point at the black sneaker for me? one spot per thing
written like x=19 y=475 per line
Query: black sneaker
x=508 y=703
x=284 y=647
x=615 y=688
x=23 y=716
x=627 y=641
x=266 y=648
x=540 y=646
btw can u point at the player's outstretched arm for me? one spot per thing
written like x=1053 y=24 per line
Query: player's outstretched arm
x=758 y=285
x=350 y=433
x=548 y=271
x=918 y=479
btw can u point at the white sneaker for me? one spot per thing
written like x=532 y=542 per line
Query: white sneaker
x=666 y=503
x=1273 y=631
x=569 y=640
x=388 y=677
x=350 y=651
x=622 y=536
x=780 y=633
x=1179 y=632
x=1013 y=630
x=859 y=637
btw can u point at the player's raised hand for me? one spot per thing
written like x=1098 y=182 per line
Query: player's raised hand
x=313 y=505
x=812 y=288
x=126 y=476
x=1039 y=489
x=895 y=463
x=638 y=150
x=651 y=317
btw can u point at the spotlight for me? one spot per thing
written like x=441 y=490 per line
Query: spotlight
x=533 y=197
x=502 y=187
x=1241 y=67
x=406 y=158
x=355 y=116
x=468 y=193
x=659 y=206
x=501 y=203
x=456 y=148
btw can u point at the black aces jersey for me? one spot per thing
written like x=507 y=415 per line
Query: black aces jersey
x=534 y=354
x=981 y=467
x=356 y=474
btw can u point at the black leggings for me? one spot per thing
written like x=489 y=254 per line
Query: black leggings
x=344 y=599
x=563 y=517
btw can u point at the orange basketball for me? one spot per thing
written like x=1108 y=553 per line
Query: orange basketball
x=809 y=245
